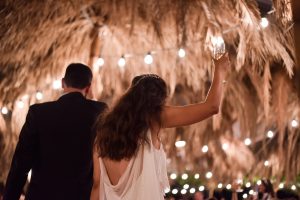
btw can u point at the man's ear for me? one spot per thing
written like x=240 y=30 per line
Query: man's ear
x=63 y=83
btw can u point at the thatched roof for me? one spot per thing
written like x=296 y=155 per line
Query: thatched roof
x=40 y=38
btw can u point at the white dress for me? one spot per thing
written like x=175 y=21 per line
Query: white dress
x=144 y=179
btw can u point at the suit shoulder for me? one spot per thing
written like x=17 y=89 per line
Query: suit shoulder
x=98 y=104
x=41 y=106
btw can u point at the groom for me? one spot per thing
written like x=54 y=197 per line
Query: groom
x=56 y=143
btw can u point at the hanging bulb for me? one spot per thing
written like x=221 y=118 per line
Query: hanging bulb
x=266 y=163
x=122 y=62
x=181 y=53
x=148 y=59
x=180 y=143
x=264 y=22
x=20 y=104
x=39 y=95
x=98 y=64
x=247 y=141
x=201 y=188
x=270 y=134
x=205 y=149
x=220 y=185
x=294 y=123
x=208 y=175
x=4 y=110
x=56 y=85
x=173 y=176
x=192 y=190
x=225 y=146
x=184 y=176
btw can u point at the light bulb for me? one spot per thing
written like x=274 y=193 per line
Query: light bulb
x=220 y=185
x=258 y=182
x=184 y=176
x=180 y=143
x=148 y=59
x=192 y=190
x=251 y=192
x=20 y=104
x=264 y=22
x=181 y=53
x=245 y=196
x=186 y=186
x=183 y=191
x=174 y=191
x=4 y=110
x=208 y=175
x=293 y=187
x=201 y=188
x=122 y=62
x=270 y=134
x=39 y=95
x=173 y=176
x=294 y=123
x=99 y=63
x=248 y=184
x=225 y=146
x=281 y=185
x=228 y=187
x=266 y=163
x=197 y=176
x=56 y=85
x=247 y=141
x=205 y=149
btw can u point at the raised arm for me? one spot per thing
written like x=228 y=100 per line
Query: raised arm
x=174 y=116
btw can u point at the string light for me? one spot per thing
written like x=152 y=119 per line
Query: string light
x=281 y=185
x=181 y=53
x=192 y=190
x=225 y=146
x=205 y=149
x=56 y=85
x=197 y=176
x=186 y=186
x=183 y=191
x=173 y=176
x=20 y=104
x=293 y=187
x=239 y=181
x=247 y=141
x=270 y=134
x=251 y=192
x=99 y=63
x=266 y=163
x=228 y=187
x=148 y=59
x=4 y=110
x=220 y=185
x=245 y=196
x=39 y=95
x=201 y=188
x=208 y=175
x=184 y=176
x=248 y=184
x=122 y=62
x=294 y=123
x=264 y=22
x=258 y=182
x=180 y=143
x=174 y=191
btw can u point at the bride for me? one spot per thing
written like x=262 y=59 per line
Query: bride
x=130 y=163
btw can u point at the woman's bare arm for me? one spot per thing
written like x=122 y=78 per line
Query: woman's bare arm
x=173 y=116
x=96 y=177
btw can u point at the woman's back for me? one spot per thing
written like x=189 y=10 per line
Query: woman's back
x=142 y=177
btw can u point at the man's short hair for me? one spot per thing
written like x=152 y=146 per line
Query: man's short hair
x=78 y=76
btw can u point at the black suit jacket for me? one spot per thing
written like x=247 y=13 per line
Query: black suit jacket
x=56 y=142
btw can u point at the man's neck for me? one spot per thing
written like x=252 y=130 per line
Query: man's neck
x=70 y=90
